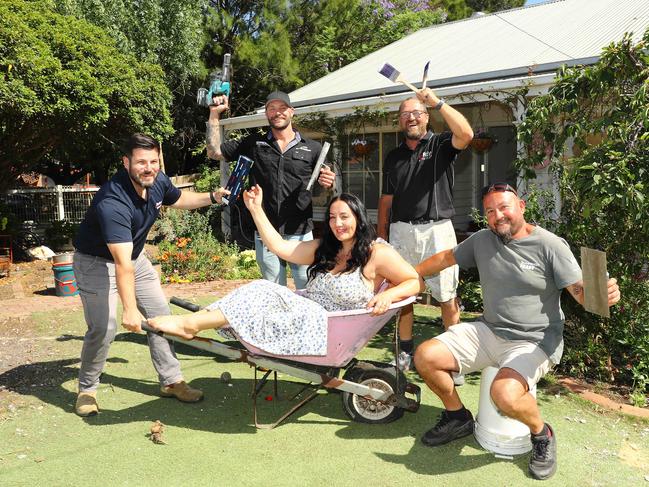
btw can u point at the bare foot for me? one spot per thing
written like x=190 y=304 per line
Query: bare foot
x=174 y=325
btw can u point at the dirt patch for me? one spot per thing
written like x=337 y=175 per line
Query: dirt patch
x=605 y=396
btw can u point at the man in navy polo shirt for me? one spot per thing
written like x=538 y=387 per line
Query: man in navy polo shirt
x=109 y=261
x=417 y=200
x=284 y=161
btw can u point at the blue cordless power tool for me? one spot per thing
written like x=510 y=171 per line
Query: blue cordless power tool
x=219 y=84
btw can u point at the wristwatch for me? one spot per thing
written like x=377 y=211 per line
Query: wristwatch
x=213 y=198
x=440 y=103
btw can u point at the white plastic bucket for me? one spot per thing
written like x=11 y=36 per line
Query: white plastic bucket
x=494 y=431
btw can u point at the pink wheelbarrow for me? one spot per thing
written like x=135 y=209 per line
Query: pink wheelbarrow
x=372 y=392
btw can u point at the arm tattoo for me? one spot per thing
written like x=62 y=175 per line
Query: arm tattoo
x=577 y=289
x=212 y=134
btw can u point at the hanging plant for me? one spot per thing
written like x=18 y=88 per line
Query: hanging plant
x=362 y=147
x=482 y=141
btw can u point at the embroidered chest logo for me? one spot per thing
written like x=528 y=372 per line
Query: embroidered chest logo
x=425 y=155
x=528 y=266
x=158 y=205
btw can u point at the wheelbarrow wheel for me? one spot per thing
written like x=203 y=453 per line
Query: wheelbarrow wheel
x=365 y=410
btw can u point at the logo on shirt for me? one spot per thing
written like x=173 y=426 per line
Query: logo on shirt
x=528 y=266
x=158 y=205
x=425 y=155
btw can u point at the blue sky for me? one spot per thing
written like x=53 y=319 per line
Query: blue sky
x=534 y=2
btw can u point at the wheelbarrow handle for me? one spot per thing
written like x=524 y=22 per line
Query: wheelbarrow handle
x=146 y=327
x=184 y=304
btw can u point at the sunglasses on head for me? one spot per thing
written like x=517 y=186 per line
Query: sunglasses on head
x=498 y=187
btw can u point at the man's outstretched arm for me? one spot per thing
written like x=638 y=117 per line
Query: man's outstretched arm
x=436 y=263
x=577 y=291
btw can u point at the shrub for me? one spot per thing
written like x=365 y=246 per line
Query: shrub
x=173 y=224
x=603 y=182
x=189 y=252
x=203 y=258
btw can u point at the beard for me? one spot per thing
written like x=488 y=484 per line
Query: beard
x=415 y=133
x=504 y=235
x=279 y=123
x=137 y=179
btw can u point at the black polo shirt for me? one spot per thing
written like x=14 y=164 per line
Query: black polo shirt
x=117 y=214
x=421 y=180
x=282 y=176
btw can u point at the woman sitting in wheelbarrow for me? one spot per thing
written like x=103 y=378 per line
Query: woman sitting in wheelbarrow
x=346 y=269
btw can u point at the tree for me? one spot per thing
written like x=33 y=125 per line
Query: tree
x=68 y=95
x=279 y=44
x=605 y=205
x=329 y=35
x=165 y=32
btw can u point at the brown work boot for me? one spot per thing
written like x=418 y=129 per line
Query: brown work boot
x=182 y=392
x=87 y=404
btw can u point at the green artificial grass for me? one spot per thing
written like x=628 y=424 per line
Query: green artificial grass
x=43 y=443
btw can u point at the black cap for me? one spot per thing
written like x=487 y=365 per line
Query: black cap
x=278 y=95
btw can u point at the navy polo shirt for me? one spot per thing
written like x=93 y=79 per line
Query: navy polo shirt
x=118 y=214
x=421 y=180
x=282 y=176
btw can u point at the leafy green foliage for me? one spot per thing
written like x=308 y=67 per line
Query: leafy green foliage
x=168 y=33
x=8 y=223
x=67 y=94
x=208 y=180
x=604 y=109
x=335 y=33
x=173 y=224
x=469 y=291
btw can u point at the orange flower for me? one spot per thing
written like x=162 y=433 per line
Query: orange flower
x=182 y=242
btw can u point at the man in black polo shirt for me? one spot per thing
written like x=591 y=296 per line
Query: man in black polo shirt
x=418 y=189
x=284 y=161
x=109 y=261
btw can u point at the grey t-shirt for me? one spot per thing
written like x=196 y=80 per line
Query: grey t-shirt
x=522 y=283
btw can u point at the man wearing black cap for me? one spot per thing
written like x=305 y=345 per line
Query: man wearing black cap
x=284 y=161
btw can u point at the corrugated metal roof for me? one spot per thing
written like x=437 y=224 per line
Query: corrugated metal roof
x=545 y=34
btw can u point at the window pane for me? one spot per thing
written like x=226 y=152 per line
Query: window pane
x=390 y=141
x=372 y=189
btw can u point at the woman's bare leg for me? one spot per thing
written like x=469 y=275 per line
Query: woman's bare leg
x=186 y=326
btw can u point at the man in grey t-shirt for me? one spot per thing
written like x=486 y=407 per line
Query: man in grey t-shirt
x=523 y=269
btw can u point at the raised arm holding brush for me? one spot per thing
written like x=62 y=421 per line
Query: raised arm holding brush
x=416 y=205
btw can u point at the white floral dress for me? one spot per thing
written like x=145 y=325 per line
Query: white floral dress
x=279 y=321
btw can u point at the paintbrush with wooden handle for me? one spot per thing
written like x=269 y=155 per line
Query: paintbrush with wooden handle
x=395 y=76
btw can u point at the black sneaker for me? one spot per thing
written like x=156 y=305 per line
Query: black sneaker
x=447 y=430
x=543 y=462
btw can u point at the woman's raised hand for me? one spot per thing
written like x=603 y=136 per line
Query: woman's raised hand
x=253 y=198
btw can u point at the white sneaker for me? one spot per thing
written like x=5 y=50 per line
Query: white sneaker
x=404 y=362
x=458 y=379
